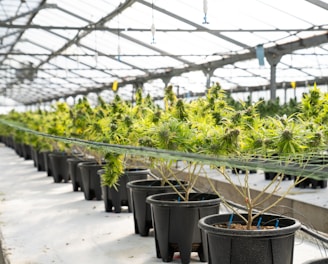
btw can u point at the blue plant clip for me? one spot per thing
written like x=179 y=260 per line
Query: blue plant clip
x=259 y=223
x=277 y=224
x=230 y=220
x=205 y=20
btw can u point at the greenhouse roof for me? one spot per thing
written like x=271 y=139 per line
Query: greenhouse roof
x=53 y=49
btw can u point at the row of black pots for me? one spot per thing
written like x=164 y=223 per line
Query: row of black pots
x=86 y=176
x=187 y=227
x=306 y=183
x=23 y=150
x=177 y=228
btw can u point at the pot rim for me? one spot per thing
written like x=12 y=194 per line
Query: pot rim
x=58 y=154
x=317 y=261
x=90 y=163
x=146 y=184
x=155 y=200
x=136 y=170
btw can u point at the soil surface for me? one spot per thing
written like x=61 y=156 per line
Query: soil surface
x=244 y=227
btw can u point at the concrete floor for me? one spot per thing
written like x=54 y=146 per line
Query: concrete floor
x=44 y=222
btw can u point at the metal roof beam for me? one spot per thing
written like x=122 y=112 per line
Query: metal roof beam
x=164 y=53
x=42 y=3
x=85 y=32
x=30 y=12
x=102 y=54
x=278 y=49
x=150 y=5
x=68 y=57
x=94 y=27
x=319 y=3
x=101 y=25
x=115 y=30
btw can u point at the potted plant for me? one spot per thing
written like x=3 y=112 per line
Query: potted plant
x=145 y=133
x=116 y=196
x=111 y=123
x=175 y=215
x=38 y=145
x=81 y=115
x=57 y=123
x=114 y=124
x=257 y=236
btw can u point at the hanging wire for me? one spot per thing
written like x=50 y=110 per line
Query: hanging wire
x=96 y=48
x=153 y=28
x=118 y=38
x=205 y=9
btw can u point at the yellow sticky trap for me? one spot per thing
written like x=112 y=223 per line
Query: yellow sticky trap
x=293 y=84
x=115 y=86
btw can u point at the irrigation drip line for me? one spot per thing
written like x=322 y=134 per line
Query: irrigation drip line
x=285 y=165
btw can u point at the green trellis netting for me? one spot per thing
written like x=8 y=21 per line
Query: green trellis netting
x=295 y=165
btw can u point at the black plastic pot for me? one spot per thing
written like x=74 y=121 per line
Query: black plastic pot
x=19 y=149
x=311 y=164
x=8 y=141
x=59 y=167
x=75 y=173
x=176 y=224
x=119 y=196
x=34 y=156
x=27 y=151
x=317 y=261
x=231 y=246
x=38 y=159
x=47 y=163
x=312 y=183
x=268 y=175
x=91 y=181
x=139 y=191
x=241 y=171
x=40 y=162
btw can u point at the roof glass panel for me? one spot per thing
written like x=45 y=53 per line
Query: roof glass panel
x=11 y=9
x=44 y=39
x=58 y=18
x=89 y=10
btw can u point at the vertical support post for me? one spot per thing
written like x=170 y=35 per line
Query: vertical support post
x=273 y=60
x=166 y=81
x=208 y=74
x=285 y=92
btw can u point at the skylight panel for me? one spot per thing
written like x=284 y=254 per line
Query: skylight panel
x=44 y=38
x=56 y=17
